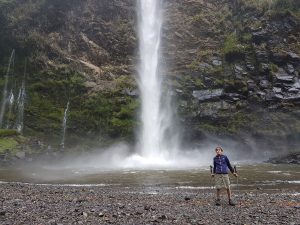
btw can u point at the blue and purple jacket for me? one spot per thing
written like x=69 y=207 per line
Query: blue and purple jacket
x=221 y=163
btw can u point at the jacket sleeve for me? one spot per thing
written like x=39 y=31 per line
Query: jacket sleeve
x=214 y=163
x=229 y=165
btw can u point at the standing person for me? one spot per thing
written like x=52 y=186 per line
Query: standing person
x=220 y=172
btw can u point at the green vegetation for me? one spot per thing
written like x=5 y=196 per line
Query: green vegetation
x=8 y=145
x=7 y=132
x=5 y=2
x=232 y=48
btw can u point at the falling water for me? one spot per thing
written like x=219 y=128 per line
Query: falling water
x=10 y=100
x=4 y=94
x=20 y=105
x=64 y=127
x=155 y=116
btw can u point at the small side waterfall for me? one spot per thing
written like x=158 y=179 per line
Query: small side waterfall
x=64 y=127
x=5 y=93
x=10 y=100
x=20 y=105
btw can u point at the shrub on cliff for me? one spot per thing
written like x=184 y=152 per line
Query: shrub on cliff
x=233 y=49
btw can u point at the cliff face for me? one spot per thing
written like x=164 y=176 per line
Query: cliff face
x=233 y=66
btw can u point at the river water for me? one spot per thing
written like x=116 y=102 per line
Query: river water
x=259 y=176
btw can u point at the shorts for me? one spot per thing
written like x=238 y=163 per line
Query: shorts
x=222 y=181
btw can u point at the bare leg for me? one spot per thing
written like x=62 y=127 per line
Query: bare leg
x=228 y=193
x=218 y=193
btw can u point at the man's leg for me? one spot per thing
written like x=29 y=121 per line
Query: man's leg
x=228 y=193
x=218 y=202
x=229 y=197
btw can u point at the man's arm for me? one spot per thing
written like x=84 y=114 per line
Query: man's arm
x=214 y=169
x=229 y=165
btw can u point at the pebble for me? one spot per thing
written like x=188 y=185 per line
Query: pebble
x=116 y=205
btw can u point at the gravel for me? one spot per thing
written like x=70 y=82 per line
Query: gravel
x=61 y=205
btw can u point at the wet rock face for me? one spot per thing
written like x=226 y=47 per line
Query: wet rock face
x=231 y=58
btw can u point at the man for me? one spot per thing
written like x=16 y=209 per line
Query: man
x=220 y=172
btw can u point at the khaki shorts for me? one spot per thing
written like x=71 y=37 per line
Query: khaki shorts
x=222 y=181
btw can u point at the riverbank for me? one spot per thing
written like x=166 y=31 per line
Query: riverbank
x=54 y=204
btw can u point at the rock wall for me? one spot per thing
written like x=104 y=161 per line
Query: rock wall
x=233 y=67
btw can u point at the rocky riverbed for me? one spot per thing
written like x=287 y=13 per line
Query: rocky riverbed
x=54 y=204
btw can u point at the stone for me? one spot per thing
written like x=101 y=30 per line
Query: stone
x=290 y=69
x=277 y=90
x=283 y=76
x=260 y=36
x=264 y=84
x=293 y=90
x=279 y=58
x=206 y=95
x=293 y=56
x=205 y=66
x=217 y=62
x=20 y=155
x=132 y=93
x=187 y=198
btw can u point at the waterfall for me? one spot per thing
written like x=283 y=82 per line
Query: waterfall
x=155 y=111
x=4 y=94
x=64 y=127
x=20 y=105
x=10 y=100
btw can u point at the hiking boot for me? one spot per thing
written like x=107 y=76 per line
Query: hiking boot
x=231 y=202
x=218 y=202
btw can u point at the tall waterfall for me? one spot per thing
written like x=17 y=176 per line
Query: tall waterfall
x=155 y=116
x=4 y=94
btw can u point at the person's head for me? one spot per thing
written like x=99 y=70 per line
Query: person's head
x=219 y=150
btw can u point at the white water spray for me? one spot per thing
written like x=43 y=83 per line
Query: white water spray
x=155 y=112
x=21 y=105
x=4 y=94
x=64 y=126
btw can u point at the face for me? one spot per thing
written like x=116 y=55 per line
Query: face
x=219 y=151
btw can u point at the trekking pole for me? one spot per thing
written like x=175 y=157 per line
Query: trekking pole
x=238 y=191
x=211 y=173
x=237 y=180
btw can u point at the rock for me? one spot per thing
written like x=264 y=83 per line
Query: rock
x=205 y=66
x=293 y=90
x=208 y=95
x=260 y=36
x=132 y=93
x=261 y=55
x=85 y=214
x=264 y=84
x=265 y=68
x=283 y=76
x=277 y=90
x=2 y=213
x=217 y=62
x=290 y=69
x=239 y=70
x=233 y=97
x=20 y=155
x=187 y=198
x=293 y=57
x=251 y=85
x=147 y=207
x=162 y=217
x=279 y=58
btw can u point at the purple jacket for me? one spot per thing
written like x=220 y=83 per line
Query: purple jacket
x=221 y=163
